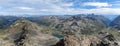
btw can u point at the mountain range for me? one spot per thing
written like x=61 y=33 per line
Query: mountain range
x=68 y=30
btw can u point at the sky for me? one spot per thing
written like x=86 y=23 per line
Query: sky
x=59 y=7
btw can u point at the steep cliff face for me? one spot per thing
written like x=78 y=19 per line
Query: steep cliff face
x=26 y=33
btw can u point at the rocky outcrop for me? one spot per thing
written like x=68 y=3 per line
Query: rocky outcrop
x=78 y=41
x=109 y=40
x=83 y=40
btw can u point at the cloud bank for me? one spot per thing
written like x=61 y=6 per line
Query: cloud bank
x=59 y=7
x=96 y=4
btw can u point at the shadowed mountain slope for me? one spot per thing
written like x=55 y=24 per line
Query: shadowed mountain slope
x=116 y=23
x=5 y=21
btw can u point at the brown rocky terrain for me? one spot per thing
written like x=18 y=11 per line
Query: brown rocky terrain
x=26 y=33
x=83 y=40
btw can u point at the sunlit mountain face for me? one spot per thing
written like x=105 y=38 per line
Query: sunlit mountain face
x=59 y=22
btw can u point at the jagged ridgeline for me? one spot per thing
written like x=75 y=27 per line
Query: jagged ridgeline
x=26 y=33
x=81 y=24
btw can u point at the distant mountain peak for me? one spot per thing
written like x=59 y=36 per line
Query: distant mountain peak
x=23 y=24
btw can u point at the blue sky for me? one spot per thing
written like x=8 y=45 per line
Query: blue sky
x=59 y=7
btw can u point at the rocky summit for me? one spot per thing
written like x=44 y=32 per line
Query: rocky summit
x=26 y=33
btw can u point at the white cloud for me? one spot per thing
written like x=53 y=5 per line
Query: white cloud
x=24 y=8
x=106 y=11
x=68 y=4
x=54 y=7
x=0 y=7
x=97 y=4
x=101 y=11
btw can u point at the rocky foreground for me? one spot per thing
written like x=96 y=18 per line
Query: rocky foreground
x=83 y=40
